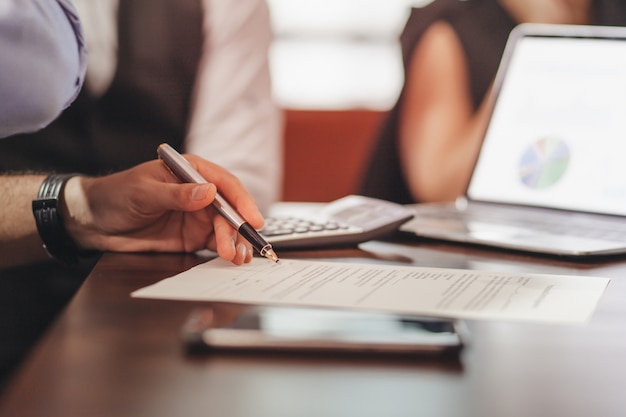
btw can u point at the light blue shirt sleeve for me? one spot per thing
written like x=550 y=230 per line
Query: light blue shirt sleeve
x=43 y=62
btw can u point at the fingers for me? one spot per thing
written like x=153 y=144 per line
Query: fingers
x=230 y=188
x=175 y=197
x=244 y=252
x=150 y=188
x=231 y=246
x=193 y=197
x=227 y=185
x=148 y=204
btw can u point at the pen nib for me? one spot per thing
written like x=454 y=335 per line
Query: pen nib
x=271 y=255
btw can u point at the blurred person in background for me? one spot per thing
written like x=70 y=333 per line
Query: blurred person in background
x=451 y=50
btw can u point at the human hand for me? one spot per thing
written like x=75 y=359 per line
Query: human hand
x=146 y=208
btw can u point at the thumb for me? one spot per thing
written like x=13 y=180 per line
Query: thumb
x=186 y=197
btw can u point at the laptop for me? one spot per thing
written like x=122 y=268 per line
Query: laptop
x=551 y=172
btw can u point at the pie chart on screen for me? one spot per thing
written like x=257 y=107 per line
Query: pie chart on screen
x=544 y=163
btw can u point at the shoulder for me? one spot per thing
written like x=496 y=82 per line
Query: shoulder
x=439 y=54
x=38 y=34
x=464 y=16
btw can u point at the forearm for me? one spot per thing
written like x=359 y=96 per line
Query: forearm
x=439 y=130
x=439 y=160
x=144 y=208
x=19 y=240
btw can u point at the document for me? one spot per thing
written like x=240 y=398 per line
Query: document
x=447 y=293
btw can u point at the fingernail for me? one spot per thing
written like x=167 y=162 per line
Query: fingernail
x=200 y=192
x=241 y=248
x=233 y=245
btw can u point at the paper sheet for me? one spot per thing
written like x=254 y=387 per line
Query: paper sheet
x=436 y=292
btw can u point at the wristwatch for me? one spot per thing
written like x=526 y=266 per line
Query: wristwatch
x=47 y=209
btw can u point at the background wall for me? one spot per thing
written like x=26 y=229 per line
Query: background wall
x=325 y=152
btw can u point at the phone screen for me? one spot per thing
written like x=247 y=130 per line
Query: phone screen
x=315 y=329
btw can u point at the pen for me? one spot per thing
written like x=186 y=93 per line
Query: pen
x=185 y=172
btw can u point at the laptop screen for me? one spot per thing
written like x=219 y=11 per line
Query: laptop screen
x=557 y=135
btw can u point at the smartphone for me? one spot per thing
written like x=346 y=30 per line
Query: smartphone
x=323 y=330
x=347 y=221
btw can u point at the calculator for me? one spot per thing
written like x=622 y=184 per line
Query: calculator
x=347 y=221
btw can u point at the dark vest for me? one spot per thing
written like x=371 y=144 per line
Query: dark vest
x=483 y=27
x=147 y=103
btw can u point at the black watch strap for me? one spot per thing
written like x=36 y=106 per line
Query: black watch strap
x=49 y=219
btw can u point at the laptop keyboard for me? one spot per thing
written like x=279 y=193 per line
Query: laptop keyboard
x=563 y=223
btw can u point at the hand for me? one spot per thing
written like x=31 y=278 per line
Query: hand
x=146 y=208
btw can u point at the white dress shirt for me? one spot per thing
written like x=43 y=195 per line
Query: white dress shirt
x=235 y=121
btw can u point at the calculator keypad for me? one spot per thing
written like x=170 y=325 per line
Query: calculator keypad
x=293 y=226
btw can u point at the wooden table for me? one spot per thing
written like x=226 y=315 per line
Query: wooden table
x=112 y=355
